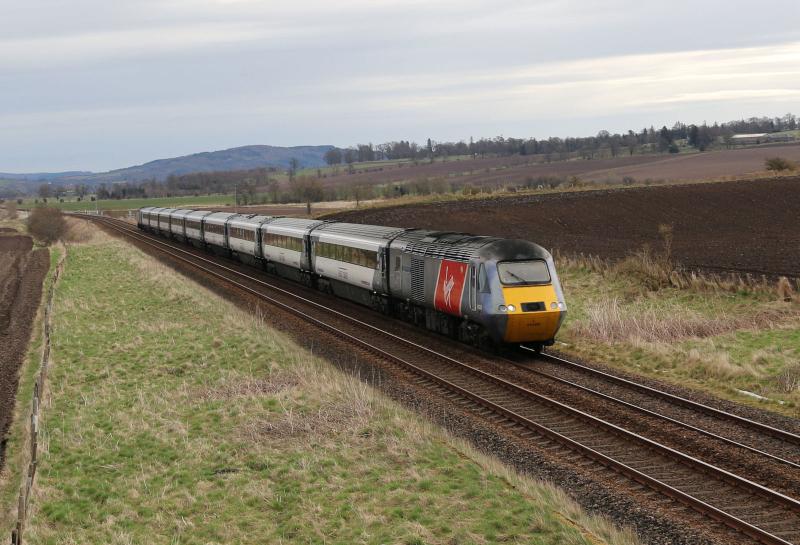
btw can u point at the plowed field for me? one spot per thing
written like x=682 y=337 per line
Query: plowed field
x=22 y=270
x=523 y=170
x=748 y=226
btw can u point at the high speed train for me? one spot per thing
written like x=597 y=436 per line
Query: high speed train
x=482 y=290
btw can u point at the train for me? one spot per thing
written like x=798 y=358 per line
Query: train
x=485 y=291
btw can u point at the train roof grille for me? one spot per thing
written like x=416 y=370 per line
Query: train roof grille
x=450 y=246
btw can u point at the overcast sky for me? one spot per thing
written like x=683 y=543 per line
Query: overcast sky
x=99 y=84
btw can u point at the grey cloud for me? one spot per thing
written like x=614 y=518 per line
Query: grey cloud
x=95 y=85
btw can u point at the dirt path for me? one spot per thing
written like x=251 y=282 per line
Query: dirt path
x=22 y=270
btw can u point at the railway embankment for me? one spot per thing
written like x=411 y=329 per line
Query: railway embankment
x=175 y=415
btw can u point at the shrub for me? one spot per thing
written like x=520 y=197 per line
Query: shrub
x=651 y=270
x=779 y=164
x=46 y=224
x=789 y=379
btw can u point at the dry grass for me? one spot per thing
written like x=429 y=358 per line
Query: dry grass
x=79 y=231
x=785 y=290
x=724 y=335
x=653 y=271
x=249 y=387
x=611 y=321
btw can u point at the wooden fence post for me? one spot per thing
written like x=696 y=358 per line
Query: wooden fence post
x=21 y=513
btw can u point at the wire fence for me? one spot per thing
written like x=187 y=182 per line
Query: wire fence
x=38 y=389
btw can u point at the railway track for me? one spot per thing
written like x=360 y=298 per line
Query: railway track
x=774 y=443
x=747 y=507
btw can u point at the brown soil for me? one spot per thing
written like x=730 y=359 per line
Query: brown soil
x=524 y=170
x=702 y=166
x=22 y=271
x=748 y=226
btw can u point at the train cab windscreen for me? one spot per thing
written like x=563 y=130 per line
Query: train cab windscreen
x=523 y=273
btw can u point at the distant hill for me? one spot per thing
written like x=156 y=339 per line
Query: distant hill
x=43 y=176
x=241 y=158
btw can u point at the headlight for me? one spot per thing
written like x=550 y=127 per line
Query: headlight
x=511 y=308
x=553 y=305
x=561 y=306
x=502 y=308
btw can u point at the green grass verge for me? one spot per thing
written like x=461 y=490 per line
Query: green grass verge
x=721 y=341
x=126 y=204
x=175 y=418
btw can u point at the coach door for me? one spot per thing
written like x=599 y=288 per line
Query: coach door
x=473 y=288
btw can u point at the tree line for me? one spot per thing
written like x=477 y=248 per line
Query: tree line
x=603 y=144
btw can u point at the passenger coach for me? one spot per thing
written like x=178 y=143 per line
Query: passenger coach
x=481 y=290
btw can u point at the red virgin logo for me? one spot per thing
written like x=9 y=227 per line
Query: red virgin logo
x=450 y=287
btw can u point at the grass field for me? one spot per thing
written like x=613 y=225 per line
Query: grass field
x=723 y=339
x=203 y=426
x=127 y=204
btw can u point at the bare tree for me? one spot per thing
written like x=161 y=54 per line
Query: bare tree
x=294 y=165
x=273 y=187
x=333 y=156
x=308 y=190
